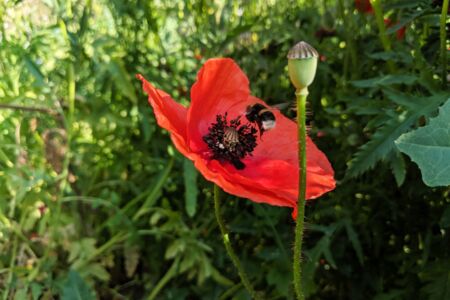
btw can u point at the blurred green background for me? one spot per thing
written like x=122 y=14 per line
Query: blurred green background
x=96 y=203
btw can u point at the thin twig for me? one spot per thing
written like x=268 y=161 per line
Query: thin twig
x=29 y=108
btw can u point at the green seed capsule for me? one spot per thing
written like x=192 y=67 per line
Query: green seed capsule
x=302 y=65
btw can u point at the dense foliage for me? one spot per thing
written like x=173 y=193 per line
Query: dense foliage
x=95 y=201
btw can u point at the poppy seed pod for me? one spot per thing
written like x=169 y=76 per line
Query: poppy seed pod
x=302 y=65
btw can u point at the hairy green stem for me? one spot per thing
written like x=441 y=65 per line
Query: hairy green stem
x=228 y=247
x=301 y=122
x=443 y=37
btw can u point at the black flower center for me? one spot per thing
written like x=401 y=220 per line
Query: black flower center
x=231 y=141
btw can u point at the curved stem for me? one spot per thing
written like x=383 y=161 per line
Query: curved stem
x=165 y=279
x=228 y=247
x=231 y=291
x=301 y=122
x=443 y=37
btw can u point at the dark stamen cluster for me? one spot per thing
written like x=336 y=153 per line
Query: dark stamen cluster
x=231 y=141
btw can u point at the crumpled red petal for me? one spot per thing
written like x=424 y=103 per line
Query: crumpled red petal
x=220 y=86
x=169 y=114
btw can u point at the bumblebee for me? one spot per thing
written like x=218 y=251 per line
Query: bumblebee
x=262 y=116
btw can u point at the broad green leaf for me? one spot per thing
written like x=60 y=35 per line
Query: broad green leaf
x=190 y=185
x=429 y=147
x=385 y=81
x=75 y=288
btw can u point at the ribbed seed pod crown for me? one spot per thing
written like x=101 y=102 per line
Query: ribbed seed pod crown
x=302 y=50
x=302 y=65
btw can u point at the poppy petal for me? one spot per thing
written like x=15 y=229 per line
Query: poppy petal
x=169 y=114
x=276 y=154
x=220 y=85
x=214 y=172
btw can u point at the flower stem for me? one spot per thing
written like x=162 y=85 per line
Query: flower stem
x=301 y=122
x=443 y=37
x=385 y=41
x=229 y=248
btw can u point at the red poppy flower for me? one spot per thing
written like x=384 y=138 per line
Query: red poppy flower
x=400 y=33
x=364 y=6
x=231 y=151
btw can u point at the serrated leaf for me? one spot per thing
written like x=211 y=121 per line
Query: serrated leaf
x=437 y=276
x=403 y=4
x=398 y=168
x=98 y=271
x=382 y=142
x=380 y=145
x=391 y=55
x=177 y=247
x=277 y=278
x=391 y=295
x=405 y=100
x=75 y=288
x=310 y=265
x=328 y=255
x=429 y=147
x=385 y=81
x=131 y=255
x=190 y=185
x=36 y=291
x=353 y=236
x=220 y=278
x=407 y=18
x=188 y=261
